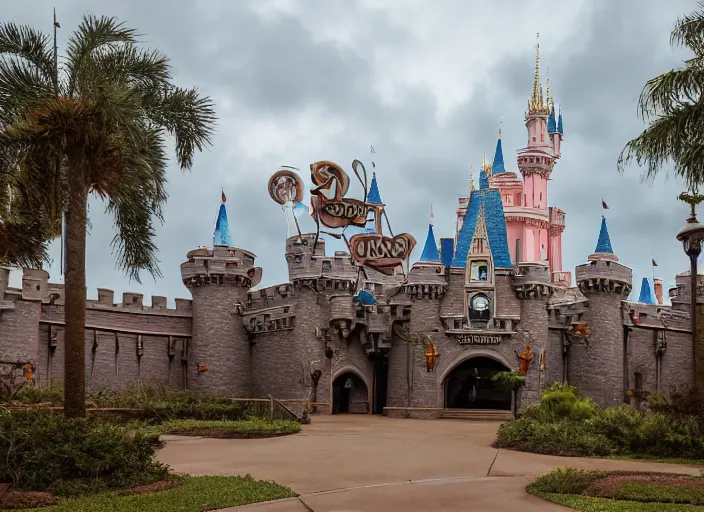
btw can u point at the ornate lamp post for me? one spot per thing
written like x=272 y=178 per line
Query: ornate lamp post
x=691 y=236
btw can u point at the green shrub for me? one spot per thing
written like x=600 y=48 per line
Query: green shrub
x=41 y=450
x=564 y=423
x=564 y=481
x=53 y=395
x=251 y=428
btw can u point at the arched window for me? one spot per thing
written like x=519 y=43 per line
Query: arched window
x=479 y=271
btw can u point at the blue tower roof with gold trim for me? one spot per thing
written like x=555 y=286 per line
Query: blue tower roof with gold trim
x=495 y=221
x=430 y=250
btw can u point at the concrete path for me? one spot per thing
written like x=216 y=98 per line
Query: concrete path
x=362 y=463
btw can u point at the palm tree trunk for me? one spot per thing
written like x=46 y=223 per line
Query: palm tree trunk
x=75 y=308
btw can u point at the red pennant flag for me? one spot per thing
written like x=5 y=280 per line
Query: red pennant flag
x=224 y=199
x=654 y=263
x=604 y=205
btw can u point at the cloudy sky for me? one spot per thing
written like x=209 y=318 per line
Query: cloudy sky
x=425 y=82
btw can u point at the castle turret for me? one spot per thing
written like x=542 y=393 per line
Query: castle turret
x=596 y=361
x=218 y=279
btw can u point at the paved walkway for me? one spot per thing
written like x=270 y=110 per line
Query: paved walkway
x=362 y=463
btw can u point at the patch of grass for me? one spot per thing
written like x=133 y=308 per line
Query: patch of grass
x=589 y=504
x=643 y=491
x=197 y=494
x=564 y=481
x=594 y=491
x=251 y=428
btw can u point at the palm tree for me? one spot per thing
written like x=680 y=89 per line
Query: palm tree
x=673 y=104
x=96 y=124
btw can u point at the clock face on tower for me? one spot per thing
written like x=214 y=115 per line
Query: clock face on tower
x=480 y=303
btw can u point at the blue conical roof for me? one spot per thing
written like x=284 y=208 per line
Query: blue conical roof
x=604 y=242
x=559 y=123
x=374 y=197
x=430 y=251
x=552 y=126
x=498 y=165
x=222 y=228
x=646 y=297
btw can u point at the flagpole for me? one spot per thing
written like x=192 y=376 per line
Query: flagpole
x=58 y=158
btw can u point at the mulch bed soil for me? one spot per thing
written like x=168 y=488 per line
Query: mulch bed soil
x=17 y=499
x=609 y=486
x=226 y=434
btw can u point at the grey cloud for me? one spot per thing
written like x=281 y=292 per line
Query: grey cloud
x=276 y=69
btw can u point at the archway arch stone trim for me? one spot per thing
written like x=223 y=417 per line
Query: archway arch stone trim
x=466 y=356
x=349 y=368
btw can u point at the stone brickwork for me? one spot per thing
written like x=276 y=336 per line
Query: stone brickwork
x=274 y=341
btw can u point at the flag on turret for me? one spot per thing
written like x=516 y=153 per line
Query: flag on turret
x=655 y=263
x=604 y=205
x=224 y=199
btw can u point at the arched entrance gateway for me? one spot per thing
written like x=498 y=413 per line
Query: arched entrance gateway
x=469 y=386
x=349 y=394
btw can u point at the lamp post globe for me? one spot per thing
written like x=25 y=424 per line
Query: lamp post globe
x=691 y=235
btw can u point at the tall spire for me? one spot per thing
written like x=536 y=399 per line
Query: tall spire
x=535 y=103
x=646 y=297
x=548 y=98
x=603 y=245
x=430 y=251
x=374 y=197
x=498 y=165
x=221 y=236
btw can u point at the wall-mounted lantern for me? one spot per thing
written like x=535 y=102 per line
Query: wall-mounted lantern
x=431 y=356
x=202 y=368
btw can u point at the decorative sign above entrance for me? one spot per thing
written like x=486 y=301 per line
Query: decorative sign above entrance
x=478 y=339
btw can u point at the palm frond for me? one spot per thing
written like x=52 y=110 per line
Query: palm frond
x=665 y=93
x=138 y=199
x=186 y=115
x=678 y=138
x=92 y=34
x=130 y=66
x=22 y=243
x=22 y=86
x=29 y=44
x=689 y=31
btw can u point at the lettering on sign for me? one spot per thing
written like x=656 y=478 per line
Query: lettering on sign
x=381 y=252
x=338 y=214
x=478 y=339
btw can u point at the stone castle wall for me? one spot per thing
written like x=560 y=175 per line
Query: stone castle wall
x=124 y=343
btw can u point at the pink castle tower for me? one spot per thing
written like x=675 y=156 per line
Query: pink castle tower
x=533 y=229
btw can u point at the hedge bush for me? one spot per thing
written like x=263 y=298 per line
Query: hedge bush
x=43 y=451
x=565 y=423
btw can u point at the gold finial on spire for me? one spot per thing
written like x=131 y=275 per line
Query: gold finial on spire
x=501 y=120
x=548 y=97
x=471 y=178
x=536 y=98
x=486 y=166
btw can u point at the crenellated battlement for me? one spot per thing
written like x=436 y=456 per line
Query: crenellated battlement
x=654 y=316
x=35 y=287
x=220 y=265
x=532 y=281
x=604 y=275
x=275 y=295
x=306 y=263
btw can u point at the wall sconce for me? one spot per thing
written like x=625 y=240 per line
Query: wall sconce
x=581 y=330
x=202 y=368
x=431 y=356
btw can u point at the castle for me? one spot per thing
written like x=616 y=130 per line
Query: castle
x=349 y=338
